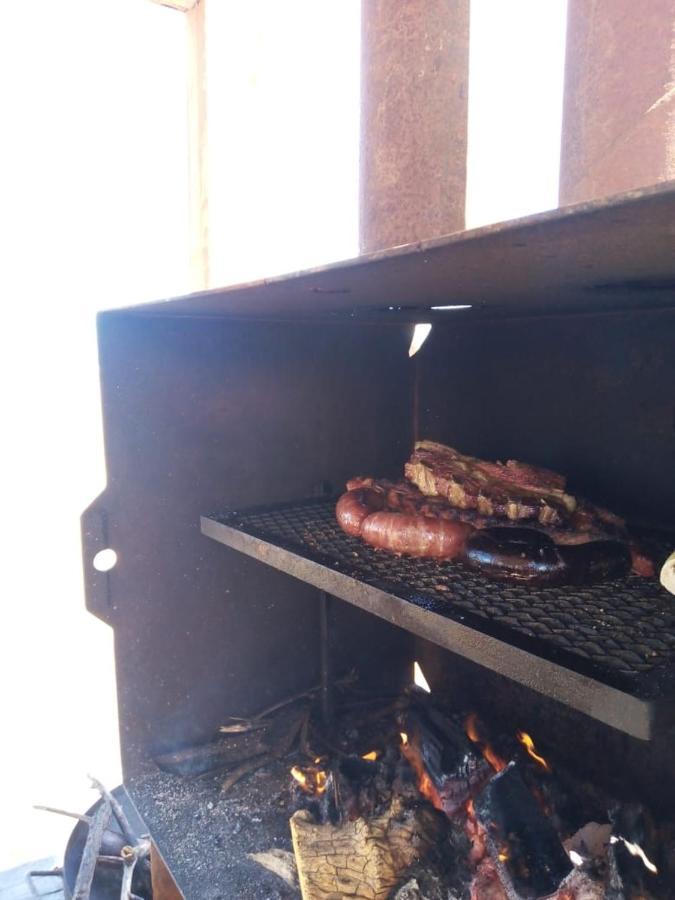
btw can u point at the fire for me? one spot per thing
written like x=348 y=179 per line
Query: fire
x=471 y=728
x=371 y=756
x=299 y=776
x=424 y=783
x=419 y=678
x=528 y=743
x=503 y=855
x=635 y=850
x=312 y=781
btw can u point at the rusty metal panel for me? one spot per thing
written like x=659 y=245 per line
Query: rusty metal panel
x=619 y=98
x=414 y=102
x=201 y=415
x=609 y=254
x=590 y=396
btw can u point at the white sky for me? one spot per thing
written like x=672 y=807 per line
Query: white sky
x=93 y=209
x=516 y=65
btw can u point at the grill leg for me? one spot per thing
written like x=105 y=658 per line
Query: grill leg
x=325 y=661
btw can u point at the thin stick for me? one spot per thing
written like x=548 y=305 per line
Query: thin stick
x=85 y=874
x=64 y=812
x=300 y=696
x=118 y=812
x=326 y=692
x=251 y=765
x=304 y=740
x=44 y=873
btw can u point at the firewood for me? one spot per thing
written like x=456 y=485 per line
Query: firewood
x=364 y=859
x=525 y=848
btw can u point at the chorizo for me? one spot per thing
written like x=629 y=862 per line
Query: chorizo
x=354 y=507
x=415 y=535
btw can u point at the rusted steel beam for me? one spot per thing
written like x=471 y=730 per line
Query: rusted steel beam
x=619 y=107
x=413 y=120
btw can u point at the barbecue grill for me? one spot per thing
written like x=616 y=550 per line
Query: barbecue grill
x=233 y=417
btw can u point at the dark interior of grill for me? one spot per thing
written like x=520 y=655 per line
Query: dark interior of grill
x=251 y=423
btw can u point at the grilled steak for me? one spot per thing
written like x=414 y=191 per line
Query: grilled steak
x=512 y=490
x=459 y=507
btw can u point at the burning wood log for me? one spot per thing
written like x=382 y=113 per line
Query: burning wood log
x=523 y=845
x=364 y=859
x=448 y=768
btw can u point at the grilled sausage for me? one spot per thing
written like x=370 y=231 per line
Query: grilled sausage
x=415 y=535
x=354 y=507
x=528 y=555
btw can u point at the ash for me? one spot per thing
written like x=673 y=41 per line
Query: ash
x=205 y=839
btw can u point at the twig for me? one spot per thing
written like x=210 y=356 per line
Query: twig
x=117 y=810
x=251 y=765
x=64 y=812
x=304 y=740
x=243 y=724
x=92 y=846
x=241 y=727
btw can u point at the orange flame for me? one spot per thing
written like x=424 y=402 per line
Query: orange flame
x=528 y=743
x=473 y=733
x=312 y=781
x=371 y=756
x=424 y=783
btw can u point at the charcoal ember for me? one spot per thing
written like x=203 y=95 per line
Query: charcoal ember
x=444 y=873
x=487 y=884
x=363 y=787
x=590 y=844
x=570 y=801
x=440 y=752
x=581 y=886
x=521 y=841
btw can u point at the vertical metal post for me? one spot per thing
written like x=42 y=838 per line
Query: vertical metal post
x=326 y=695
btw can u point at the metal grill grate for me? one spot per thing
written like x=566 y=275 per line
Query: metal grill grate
x=621 y=632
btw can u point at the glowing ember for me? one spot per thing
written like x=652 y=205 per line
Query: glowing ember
x=635 y=850
x=471 y=728
x=372 y=756
x=419 y=679
x=404 y=738
x=528 y=743
x=503 y=855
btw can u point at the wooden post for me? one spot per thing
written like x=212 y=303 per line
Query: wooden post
x=413 y=120
x=198 y=146
x=619 y=107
